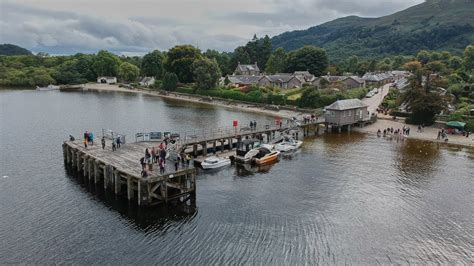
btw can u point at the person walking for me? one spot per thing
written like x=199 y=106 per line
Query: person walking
x=103 y=142
x=91 y=138
x=114 y=145
x=85 y=143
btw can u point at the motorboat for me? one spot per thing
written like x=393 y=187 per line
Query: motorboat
x=48 y=88
x=215 y=162
x=287 y=145
x=265 y=156
x=246 y=150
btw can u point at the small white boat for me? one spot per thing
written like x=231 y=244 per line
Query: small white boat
x=288 y=145
x=215 y=162
x=48 y=88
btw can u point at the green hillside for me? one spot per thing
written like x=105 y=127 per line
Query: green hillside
x=433 y=25
x=11 y=49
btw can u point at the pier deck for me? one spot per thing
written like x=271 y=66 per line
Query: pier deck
x=120 y=171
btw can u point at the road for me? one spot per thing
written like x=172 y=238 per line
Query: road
x=377 y=99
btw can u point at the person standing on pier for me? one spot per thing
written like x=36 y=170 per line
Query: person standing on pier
x=254 y=124
x=114 y=146
x=85 y=143
x=153 y=155
x=103 y=142
x=118 y=142
x=91 y=138
x=163 y=155
x=162 y=166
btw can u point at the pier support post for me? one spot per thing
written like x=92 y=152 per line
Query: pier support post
x=129 y=188
x=117 y=183
x=222 y=145
x=106 y=170
x=195 y=150
x=204 y=148
x=96 y=171
x=214 y=146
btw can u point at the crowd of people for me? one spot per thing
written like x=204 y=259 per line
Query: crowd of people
x=403 y=132
x=88 y=140
x=158 y=155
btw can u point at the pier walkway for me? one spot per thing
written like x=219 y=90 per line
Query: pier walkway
x=120 y=170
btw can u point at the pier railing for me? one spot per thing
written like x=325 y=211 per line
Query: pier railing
x=211 y=133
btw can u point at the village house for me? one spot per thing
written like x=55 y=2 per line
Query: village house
x=243 y=80
x=345 y=113
x=247 y=69
x=349 y=82
x=378 y=79
x=147 y=81
x=283 y=81
x=107 y=80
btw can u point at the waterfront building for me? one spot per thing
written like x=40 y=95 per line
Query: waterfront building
x=345 y=113
x=107 y=80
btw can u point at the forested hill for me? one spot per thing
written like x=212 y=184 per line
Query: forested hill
x=432 y=25
x=11 y=49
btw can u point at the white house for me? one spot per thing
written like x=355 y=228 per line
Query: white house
x=107 y=80
x=147 y=81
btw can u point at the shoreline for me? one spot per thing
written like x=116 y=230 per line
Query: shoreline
x=428 y=134
x=230 y=104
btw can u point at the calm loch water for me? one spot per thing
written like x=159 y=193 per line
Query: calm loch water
x=343 y=198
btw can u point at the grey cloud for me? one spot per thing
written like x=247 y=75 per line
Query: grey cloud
x=41 y=29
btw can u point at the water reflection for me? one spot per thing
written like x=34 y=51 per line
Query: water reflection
x=147 y=219
x=417 y=159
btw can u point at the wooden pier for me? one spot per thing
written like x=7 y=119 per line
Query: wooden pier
x=120 y=170
x=221 y=139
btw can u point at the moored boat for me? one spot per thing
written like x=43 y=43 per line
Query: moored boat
x=266 y=156
x=215 y=162
x=289 y=144
x=48 y=88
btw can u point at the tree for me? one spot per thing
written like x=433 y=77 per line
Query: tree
x=422 y=102
x=152 y=64
x=455 y=62
x=106 y=64
x=412 y=66
x=240 y=55
x=222 y=59
x=352 y=64
x=277 y=62
x=206 y=73
x=436 y=66
x=264 y=50
x=170 y=81
x=41 y=77
x=397 y=62
x=180 y=60
x=468 y=57
x=128 y=72
x=423 y=56
x=310 y=58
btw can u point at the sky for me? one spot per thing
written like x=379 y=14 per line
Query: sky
x=135 y=27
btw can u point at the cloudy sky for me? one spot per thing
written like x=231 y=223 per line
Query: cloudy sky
x=138 y=26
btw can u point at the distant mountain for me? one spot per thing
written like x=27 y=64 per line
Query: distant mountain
x=432 y=25
x=11 y=49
